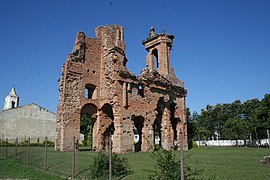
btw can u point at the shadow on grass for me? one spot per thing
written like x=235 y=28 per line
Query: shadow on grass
x=131 y=172
x=82 y=172
x=85 y=149
x=12 y=157
x=51 y=166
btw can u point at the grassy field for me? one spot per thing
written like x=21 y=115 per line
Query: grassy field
x=211 y=162
x=231 y=162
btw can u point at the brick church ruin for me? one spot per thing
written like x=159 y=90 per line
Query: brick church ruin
x=96 y=83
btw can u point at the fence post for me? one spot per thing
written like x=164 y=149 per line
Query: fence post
x=73 y=157
x=16 y=148
x=268 y=138
x=28 y=151
x=1 y=146
x=110 y=157
x=6 y=149
x=45 y=154
x=182 y=156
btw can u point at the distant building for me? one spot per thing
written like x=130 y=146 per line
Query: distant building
x=12 y=100
x=26 y=121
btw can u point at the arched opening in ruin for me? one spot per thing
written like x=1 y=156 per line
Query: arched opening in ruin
x=157 y=127
x=157 y=132
x=174 y=122
x=87 y=122
x=137 y=129
x=119 y=34
x=90 y=91
x=155 y=58
x=107 y=125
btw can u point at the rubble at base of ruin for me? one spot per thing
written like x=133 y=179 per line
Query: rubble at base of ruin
x=96 y=83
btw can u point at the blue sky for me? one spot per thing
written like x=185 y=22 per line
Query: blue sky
x=221 y=48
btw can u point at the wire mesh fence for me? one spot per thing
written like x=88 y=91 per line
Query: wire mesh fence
x=216 y=158
x=39 y=154
x=208 y=159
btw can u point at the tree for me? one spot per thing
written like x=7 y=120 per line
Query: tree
x=250 y=116
x=191 y=126
x=261 y=118
x=249 y=108
x=86 y=128
x=263 y=112
x=235 y=129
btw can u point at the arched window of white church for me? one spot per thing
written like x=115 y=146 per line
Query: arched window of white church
x=12 y=104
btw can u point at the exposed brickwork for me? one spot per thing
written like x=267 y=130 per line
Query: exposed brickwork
x=117 y=99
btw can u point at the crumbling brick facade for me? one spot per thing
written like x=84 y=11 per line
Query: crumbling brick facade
x=153 y=103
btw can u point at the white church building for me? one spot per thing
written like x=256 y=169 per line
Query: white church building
x=28 y=121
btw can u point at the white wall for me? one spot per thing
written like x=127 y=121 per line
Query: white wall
x=28 y=121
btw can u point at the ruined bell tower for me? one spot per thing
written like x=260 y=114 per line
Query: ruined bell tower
x=95 y=83
x=158 y=47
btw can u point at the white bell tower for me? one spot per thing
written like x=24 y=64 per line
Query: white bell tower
x=12 y=100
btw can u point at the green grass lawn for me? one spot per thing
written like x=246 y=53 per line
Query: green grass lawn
x=229 y=162
x=211 y=162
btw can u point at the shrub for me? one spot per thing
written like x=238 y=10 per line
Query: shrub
x=24 y=143
x=100 y=167
x=194 y=144
x=49 y=143
x=167 y=167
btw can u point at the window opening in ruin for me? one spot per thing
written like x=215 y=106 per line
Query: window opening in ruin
x=87 y=121
x=174 y=123
x=157 y=134
x=12 y=104
x=157 y=127
x=141 y=90
x=155 y=53
x=90 y=91
x=125 y=62
x=119 y=34
x=137 y=129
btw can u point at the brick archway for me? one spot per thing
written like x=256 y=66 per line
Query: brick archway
x=87 y=123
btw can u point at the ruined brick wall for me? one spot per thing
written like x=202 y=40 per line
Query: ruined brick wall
x=118 y=101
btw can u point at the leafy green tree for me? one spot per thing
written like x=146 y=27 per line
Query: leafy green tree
x=191 y=127
x=251 y=116
x=235 y=129
x=213 y=119
x=86 y=128
x=263 y=112
x=249 y=108
x=261 y=118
